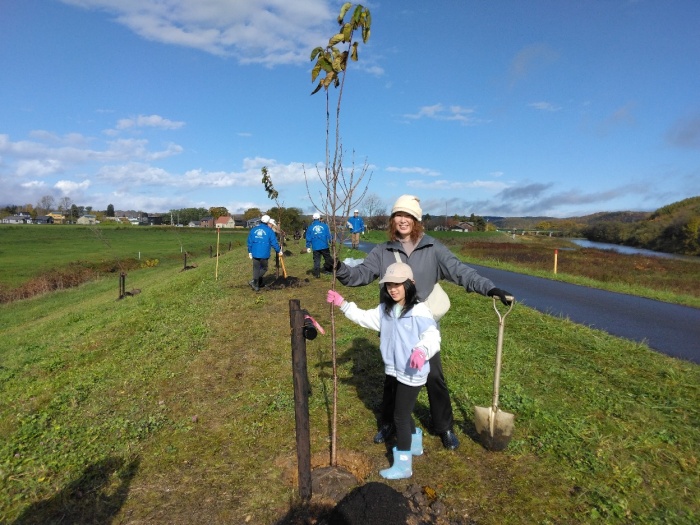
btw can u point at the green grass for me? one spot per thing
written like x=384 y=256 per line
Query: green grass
x=27 y=251
x=177 y=405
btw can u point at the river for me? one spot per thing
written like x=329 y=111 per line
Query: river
x=628 y=250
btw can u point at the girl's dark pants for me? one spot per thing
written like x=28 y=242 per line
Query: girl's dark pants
x=405 y=426
x=438 y=396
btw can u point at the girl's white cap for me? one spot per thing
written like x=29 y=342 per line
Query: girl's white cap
x=397 y=273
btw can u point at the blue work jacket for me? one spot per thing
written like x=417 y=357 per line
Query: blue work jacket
x=261 y=240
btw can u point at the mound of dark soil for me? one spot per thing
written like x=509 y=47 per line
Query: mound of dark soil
x=374 y=503
x=286 y=282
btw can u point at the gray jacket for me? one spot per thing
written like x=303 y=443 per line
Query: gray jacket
x=430 y=261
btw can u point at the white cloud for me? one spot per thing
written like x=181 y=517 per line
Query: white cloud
x=37 y=168
x=544 y=106
x=33 y=184
x=444 y=184
x=268 y=32
x=36 y=159
x=134 y=174
x=440 y=112
x=151 y=121
x=68 y=187
x=421 y=171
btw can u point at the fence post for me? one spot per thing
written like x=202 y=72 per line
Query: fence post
x=301 y=399
x=556 y=254
x=122 y=285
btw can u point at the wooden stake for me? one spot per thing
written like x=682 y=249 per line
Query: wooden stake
x=216 y=271
x=301 y=399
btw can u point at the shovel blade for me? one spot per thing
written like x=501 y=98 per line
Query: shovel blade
x=495 y=428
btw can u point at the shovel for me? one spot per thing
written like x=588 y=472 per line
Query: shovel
x=284 y=268
x=494 y=426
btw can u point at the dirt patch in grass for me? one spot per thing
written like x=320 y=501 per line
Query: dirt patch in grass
x=340 y=495
x=281 y=283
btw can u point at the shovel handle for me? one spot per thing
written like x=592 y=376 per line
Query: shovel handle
x=284 y=268
x=499 y=349
x=501 y=317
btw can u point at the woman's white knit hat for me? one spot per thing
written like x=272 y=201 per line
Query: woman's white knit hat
x=409 y=204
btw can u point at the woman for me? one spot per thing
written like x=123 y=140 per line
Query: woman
x=430 y=261
x=409 y=336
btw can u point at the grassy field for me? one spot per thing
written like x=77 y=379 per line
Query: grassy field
x=42 y=258
x=176 y=405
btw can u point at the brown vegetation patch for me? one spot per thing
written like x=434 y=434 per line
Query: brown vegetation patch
x=73 y=275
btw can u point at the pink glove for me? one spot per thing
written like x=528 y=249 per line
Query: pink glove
x=417 y=359
x=335 y=298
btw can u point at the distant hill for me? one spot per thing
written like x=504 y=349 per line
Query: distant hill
x=585 y=220
x=674 y=228
x=613 y=216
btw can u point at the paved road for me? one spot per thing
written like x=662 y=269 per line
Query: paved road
x=668 y=328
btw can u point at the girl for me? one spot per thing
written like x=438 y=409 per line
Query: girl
x=408 y=338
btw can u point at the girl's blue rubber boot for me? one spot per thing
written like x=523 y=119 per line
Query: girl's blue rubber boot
x=417 y=443
x=402 y=467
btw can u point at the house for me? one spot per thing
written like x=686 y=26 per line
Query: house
x=58 y=218
x=154 y=220
x=206 y=222
x=225 y=221
x=17 y=219
x=43 y=219
x=194 y=224
x=464 y=227
x=87 y=219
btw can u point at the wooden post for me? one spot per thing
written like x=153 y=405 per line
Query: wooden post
x=122 y=285
x=216 y=271
x=301 y=399
x=556 y=253
x=185 y=259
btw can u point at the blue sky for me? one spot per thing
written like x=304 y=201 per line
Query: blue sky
x=549 y=107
